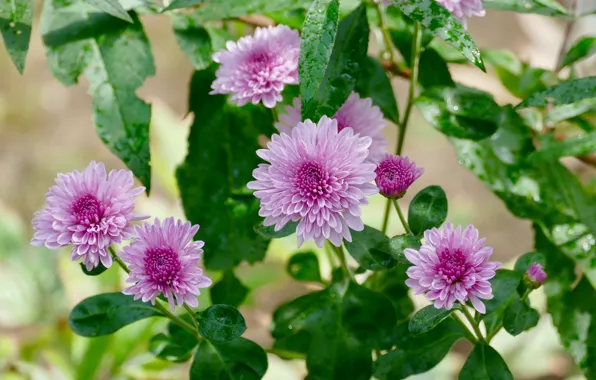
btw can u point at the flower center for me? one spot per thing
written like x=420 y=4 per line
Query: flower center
x=162 y=265
x=87 y=209
x=453 y=265
x=391 y=172
x=312 y=180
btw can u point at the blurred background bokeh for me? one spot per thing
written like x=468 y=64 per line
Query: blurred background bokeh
x=46 y=128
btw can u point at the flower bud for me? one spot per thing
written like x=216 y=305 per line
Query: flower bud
x=535 y=276
x=395 y=174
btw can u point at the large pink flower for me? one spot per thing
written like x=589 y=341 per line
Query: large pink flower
x=256 y=68
x=89 y=211
x=358 y=114
x=451 y=266
x=163 y=260
x=318 y=176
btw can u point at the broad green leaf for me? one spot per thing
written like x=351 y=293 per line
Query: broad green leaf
x=503 y=285
x=564 y=93
x=116 y=58
x=370 y=248
x=222 y=9
x=193 y=39
x=107 y=313
x=519 y=317
x=543 y=7
x=99 y=269
x=581 y=49
x=304 y=266
x=16 y=18
x=427 y=319
x=294 y=18
x=428 y=209
x=268 y=232
x=239 y=359
x=229 y=290
x=392 y=283
x=416 y=354
x=375 y=84
x=433 y=70
x=222 y=142
x=171 y=348
x=177 y=4
x=524 y=262
x=570 y=111
x=460 y=112
x=112 y=7
x=578 y=145
x=439 y=20
x=316 y=45
x=345 y=322
x=399 y=243
x=221 y=323
x=485 y=363
x=92 y=358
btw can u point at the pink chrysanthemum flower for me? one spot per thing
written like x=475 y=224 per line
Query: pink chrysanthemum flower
x=163 y=260
x=451 y=266
x=256 y=68
x=317 y=176
x=395 y=174
x=358 y=114
x=90 y=211
x=535 y=275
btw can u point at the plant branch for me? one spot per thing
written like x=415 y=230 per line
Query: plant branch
x=286 y=354
x=567 y=35
x=401 y=217
x=386 y=216
x=475 y=326
x=471 y=336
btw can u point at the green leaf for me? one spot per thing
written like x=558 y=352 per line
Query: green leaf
x=442 y=24
x=316 y=46
x=106 y=313
x=578 y=145
x=193 y=39
x=428 y=209
x=570 y=111
x=90 y=363
x=229 y=290
x=239 y=359
x=503 y=285
x=485 y=363
x=392 y=283
x=524 y=262
x=567 y=92
x=99 y=269
x=111 y=7
x=427 y=319
x=345 y=66
x=304 y=266
x=116 y=58
x=268 y=232
x=222 y=142
x=170 y=349
x=375 y=84
x=582 y=49
x=16 y=18
x=519 y=317
x=345 y=322
x=542 y=7
x=370 y=248
x=221 y=323
x=460 y=112
x=433 y=70
x=222 y=9
x=177 y=4
x=399 y=243
x=416 y=354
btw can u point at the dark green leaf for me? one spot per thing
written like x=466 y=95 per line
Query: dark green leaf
x=116 y=58
x=221 y=323
x=547 y=8
x=523 y=263
x=99 y=269
x=392 y=283
x=428 y=209
x=484 y=363
x=168 y=348
x=193 y=39
x=460 y=112
x=239 y=359
x=582 y=49
x=503 y=285
x=106 y=313
x=222 y=142
x=433 y=70
x=111 y=7
x=416 y=354
x=399 y=243
x=268 y=232
x=519 y=317
x=222 y=9
x=375 y=84
x=16 y=18
x=439 y=20
x=564 y=93
x=229 y=290
x=370 y=248
x=304 y=266
x=427 y=319
x=345 y=66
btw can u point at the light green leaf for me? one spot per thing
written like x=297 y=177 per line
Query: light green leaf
x=564 y=93
x=543 y=7
x=269 y=232
x=222 y=9
x=177 y=4
x=428 y=318
x=111 y=7
x=578 y=145
x=16 y=18
x=582 y=49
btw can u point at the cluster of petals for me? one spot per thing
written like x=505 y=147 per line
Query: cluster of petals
x=452 y=266
x=356 y=113
x=256 y=68
x=89 y=210
x=318 y=176
x=536 y=274
x=395 y=174
x=163 y=260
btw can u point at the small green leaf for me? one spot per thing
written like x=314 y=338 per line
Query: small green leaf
x=503 y=285
x=111 y=7
x=177 y=4
x=304 y=266
x=239 y=359
x=428 y=209
x=570 y=111
x=399 y=243
x=99 y=269
x=106 y=313
x=370 y=248
x=485 y=363
x=193 y=39
x=582 y=49
x=16 y=18
x=578 y=145
x=519 y=317
x=524 y=261
x=564 y=93
x=375 y=83
x=542 y=7
x=221 y=323
x=427 y=319
x=168 y=348
x=268 y=232
x=229 y=290
x=392 y=283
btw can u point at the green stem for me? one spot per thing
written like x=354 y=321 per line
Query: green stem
x=470 y=319
x=471 y=336
x=385 y=31
x=275 y=115
x=339 y=251
x=286 y=354
x=386 y=216
x=490 y=336
x=401 y=217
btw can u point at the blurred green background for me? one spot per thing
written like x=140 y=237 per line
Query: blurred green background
x=46 y=128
